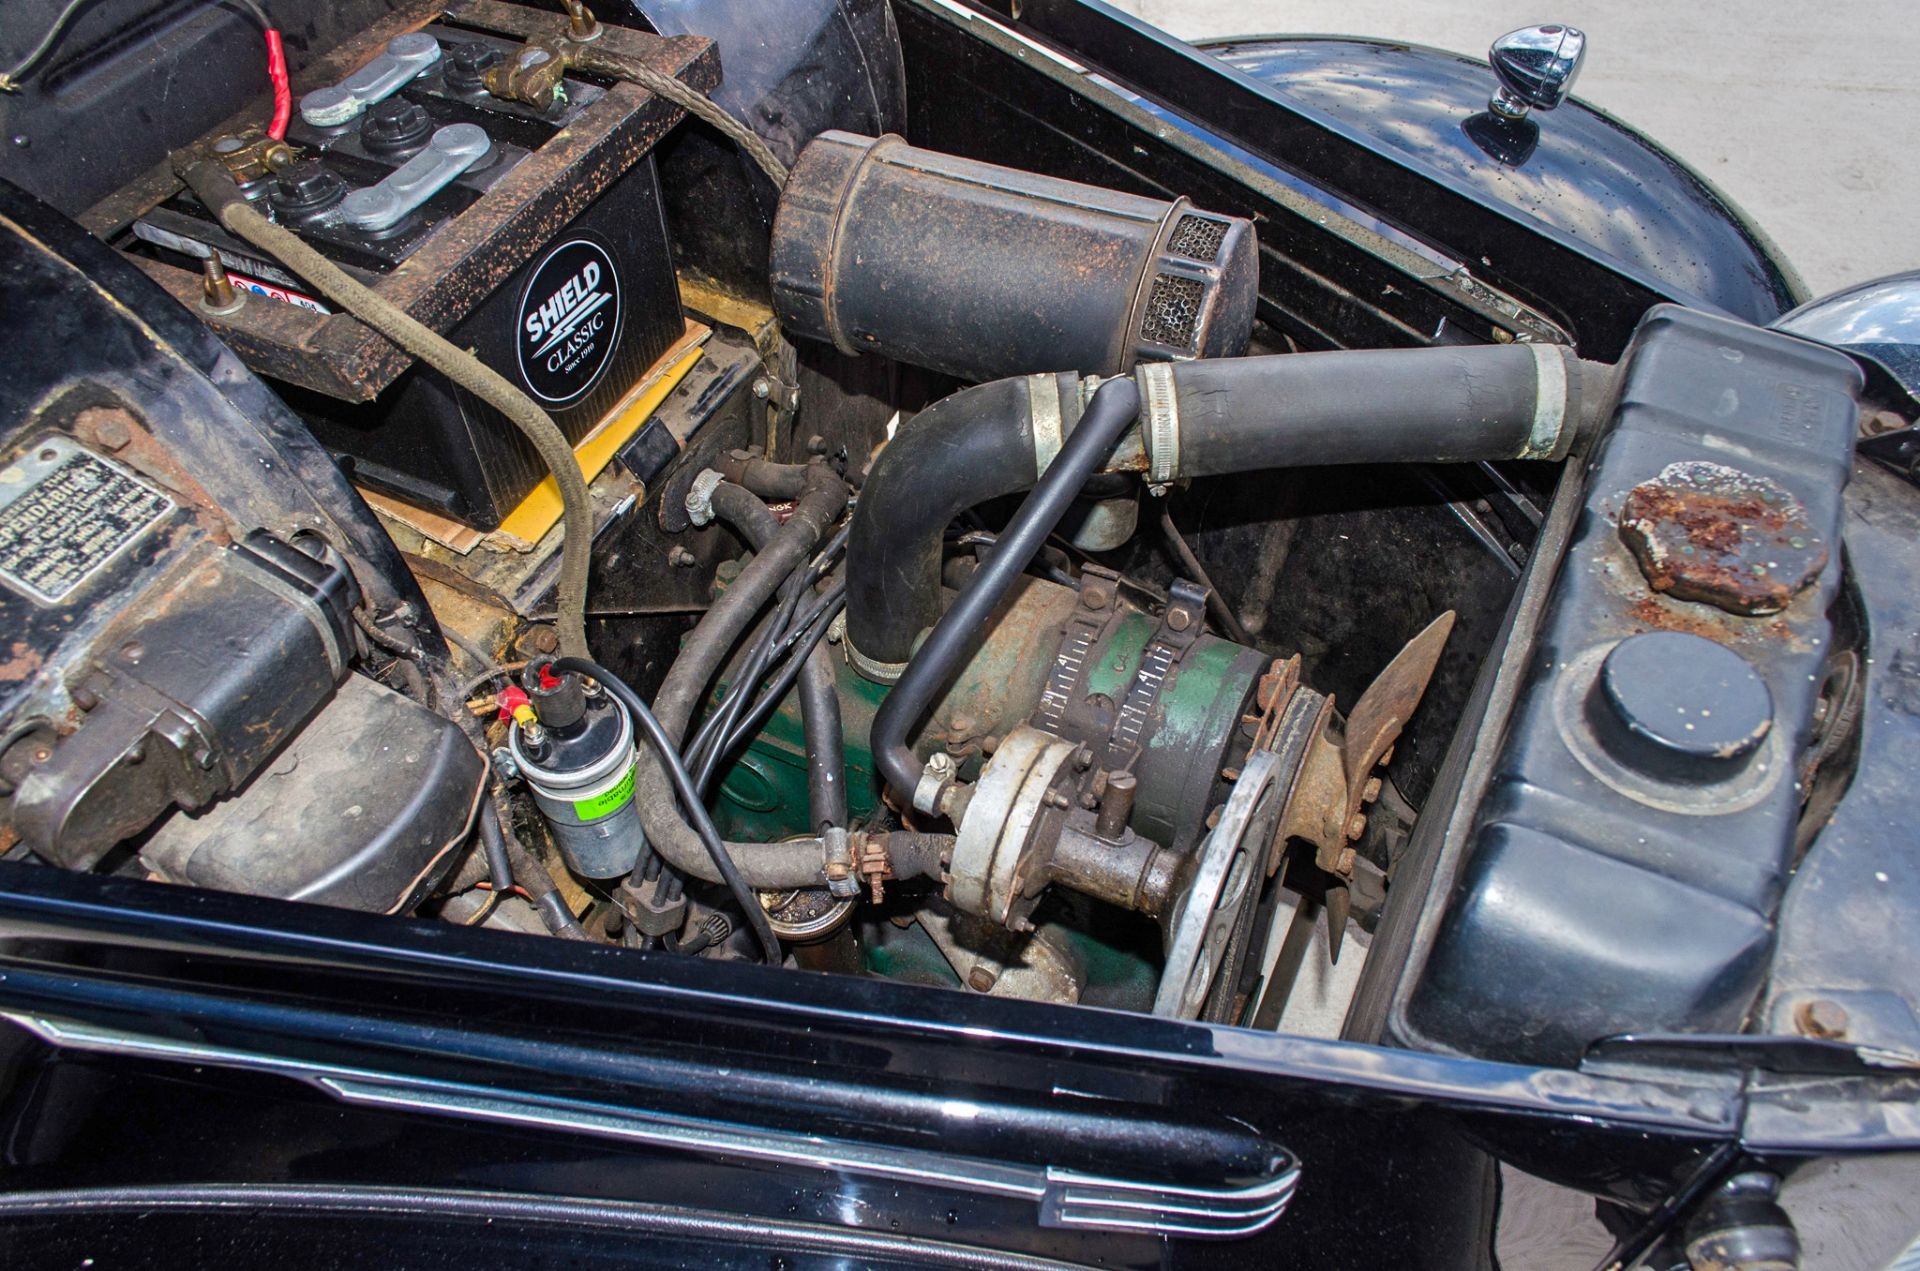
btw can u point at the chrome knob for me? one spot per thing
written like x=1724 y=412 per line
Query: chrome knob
x=1536 y=66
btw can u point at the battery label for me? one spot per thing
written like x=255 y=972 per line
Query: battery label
x=271 y=292
x=148 y=232
x=569 y=321
x=67 y=514
x=607 y=801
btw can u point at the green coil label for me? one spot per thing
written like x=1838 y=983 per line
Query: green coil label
x=608 y=801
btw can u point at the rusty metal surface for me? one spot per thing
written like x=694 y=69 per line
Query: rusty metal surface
x=1710 y=533
x=1332 y=778
x=466 y=260
x=1383 y=710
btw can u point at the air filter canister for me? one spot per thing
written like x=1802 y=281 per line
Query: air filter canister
x=985 y=272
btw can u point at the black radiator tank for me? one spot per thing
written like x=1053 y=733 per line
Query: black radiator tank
x=1625 y=862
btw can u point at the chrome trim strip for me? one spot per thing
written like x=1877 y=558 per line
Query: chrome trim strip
x=1065 y=1198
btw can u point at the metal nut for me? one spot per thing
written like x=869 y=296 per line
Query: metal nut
x=1821 y=1018
x=680 y=558
x=981 y=980
x=1879 y=423
x=1179 y=619
x=109 y=429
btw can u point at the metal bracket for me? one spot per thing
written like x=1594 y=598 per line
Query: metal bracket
x=1180 y=626
x=453 y=150
x=405 y=58
x=1098 y=588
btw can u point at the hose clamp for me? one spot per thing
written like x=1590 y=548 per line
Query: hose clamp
x=841 y=880
x=1549 y=402
x=873 y=668
x=934 y=780
x=1159 y=404
x=1049 y=423
x=700 y=496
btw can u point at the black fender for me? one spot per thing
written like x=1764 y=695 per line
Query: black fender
x=1577 y=169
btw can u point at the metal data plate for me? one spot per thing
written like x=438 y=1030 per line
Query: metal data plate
x=65 y=513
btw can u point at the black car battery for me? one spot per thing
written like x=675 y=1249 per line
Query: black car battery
x=529 y=233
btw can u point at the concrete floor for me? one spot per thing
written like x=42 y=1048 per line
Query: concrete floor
x=1808 y=118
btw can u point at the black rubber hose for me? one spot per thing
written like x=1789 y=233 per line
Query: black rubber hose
x=767 y=479
x=538 y=883
x=958 y=453
x=765 y=866
x=493 y=840
x=918 y=855
x=1372 y=406
x=1115 y=406
x=1479 y=402
x=783 y=681
x=826 y=754
x=730 y=615
x=664 y=752
x=819 y=708
x=820 y=715
x=753 y=668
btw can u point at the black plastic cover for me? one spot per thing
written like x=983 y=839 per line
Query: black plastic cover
x=1606 y=889
x=362 y=810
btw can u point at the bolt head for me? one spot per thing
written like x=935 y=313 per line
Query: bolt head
x=763 y=388
x=1879 y=423
x=981 y=980
x=1179 y=619
x=1821 y=1018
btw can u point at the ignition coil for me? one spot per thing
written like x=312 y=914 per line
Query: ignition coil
x=575 y=751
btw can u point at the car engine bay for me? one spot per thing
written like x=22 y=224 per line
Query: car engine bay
x=503 y=488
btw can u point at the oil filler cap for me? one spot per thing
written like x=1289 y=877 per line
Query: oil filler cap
x=1680 y=707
